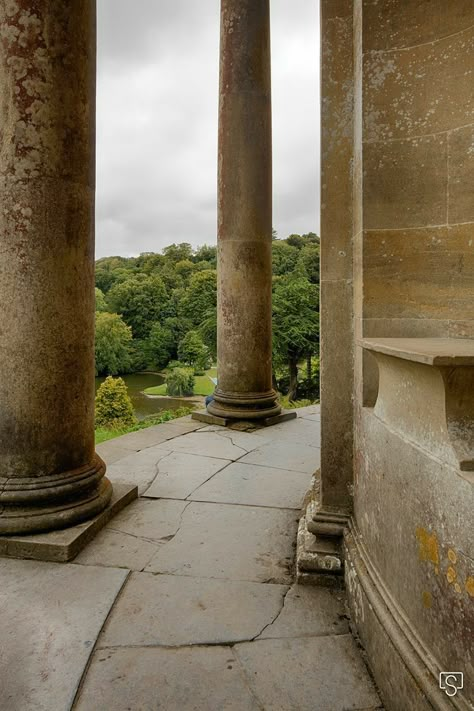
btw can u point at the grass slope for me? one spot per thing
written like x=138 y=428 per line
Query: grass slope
x=203 y=385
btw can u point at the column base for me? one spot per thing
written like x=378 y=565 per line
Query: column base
x=205 y=416
x=247 y=406
x=33 y=505
x=64 y=545
x=319 y=551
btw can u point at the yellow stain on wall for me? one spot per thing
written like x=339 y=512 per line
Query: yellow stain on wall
x=457 y=587
x=470 y=586
x=429 y=547
x=427 y=599
x=452 y=556
x=451 y=575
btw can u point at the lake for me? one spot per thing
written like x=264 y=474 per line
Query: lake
x=143 y=405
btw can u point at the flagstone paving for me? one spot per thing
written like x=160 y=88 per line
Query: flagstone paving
x=186 y=600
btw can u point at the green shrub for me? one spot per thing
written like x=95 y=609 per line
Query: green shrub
x=180 y=382
x=294 y=404
x=113 y=407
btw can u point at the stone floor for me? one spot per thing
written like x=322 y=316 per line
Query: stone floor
x=186 y=600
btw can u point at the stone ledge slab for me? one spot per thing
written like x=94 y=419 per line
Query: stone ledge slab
x=63 y=545
x=204 y=416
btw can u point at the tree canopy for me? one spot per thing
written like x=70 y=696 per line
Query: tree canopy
x=164 y=307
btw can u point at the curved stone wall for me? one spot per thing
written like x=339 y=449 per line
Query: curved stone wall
x=410 y=550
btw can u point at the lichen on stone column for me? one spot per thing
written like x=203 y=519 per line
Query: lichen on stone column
x=50 y=476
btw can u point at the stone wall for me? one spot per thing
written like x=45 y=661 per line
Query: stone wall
x=410 y=548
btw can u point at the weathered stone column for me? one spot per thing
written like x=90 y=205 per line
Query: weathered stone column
x=245 y=215
x=50 y=476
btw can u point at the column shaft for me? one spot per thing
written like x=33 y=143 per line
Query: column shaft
x=50 y=476
x=245 y=214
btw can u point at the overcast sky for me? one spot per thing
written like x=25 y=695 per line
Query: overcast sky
x=157 y=122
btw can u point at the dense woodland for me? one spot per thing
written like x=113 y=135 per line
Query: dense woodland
x=159 y=310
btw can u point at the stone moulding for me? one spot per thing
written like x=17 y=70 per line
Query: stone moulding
x=426 y=388
x=34 y=505
x=319 y=557
x=376 y=614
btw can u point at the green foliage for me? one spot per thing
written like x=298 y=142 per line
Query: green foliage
x=295 y=323
x=113 y=339
x=208 y=331
x=100 y=302
x=161 y=343
x=193 y=352
x=102 y=435
x=295 y=317
x=113 y=407
x=178 y=252
x=163 y=297
x=199 y=297
x=284 y=257
x=140 y=355
x=206 y=253
x=140 y=300
x=180 y=382
x=294 y=404
x=308 y=259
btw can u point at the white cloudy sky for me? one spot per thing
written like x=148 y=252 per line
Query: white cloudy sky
x=157 y=121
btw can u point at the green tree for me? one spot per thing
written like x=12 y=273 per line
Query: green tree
x=206 y=253
x=161 y=344
x=113 y=340
x=309 y=259
x=284 y=257
x=178 y=252
x=180 y=382
x=295 y=323
x=193 y=352
x=199 y=297
x=100 y=302
x=208 y=331
x=140 y=301
x=113 y=407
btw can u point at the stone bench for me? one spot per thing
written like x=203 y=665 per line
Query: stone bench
x=426 y=395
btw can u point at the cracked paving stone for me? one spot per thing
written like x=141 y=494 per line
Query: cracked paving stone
x=157 y=521
x=233 y=542
x=285 y=455
x=139 y=468
x=50 y=617
x=323 y=673
x=186 y=679
x=256 y=486
x=309 y=612
x=131 y=538
x=176 y=611
x=118 y=550
x=206 y=443
x=180 y=473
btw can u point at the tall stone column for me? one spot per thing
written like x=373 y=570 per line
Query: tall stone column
x=245 y=215
x=50 y=476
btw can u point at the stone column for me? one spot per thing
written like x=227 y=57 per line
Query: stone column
x=50 y=476
x=245 y=215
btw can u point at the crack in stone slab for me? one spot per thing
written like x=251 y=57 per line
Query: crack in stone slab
x=282 y=607
x=229 y=462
